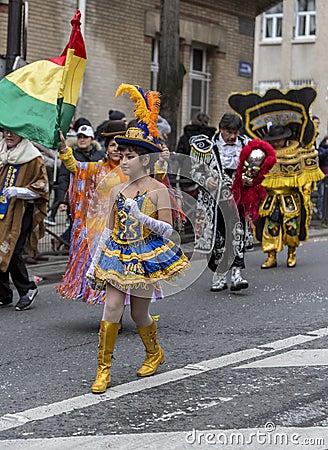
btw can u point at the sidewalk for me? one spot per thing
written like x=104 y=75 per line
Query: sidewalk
x=52 y=270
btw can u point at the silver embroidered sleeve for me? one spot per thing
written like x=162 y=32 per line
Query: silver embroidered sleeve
x=197 y=173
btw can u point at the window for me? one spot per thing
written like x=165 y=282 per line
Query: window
x=300 y=83
x=154 y=66
x=272 y=23
x=263 y=86
x=199 y=81
x=305 y=19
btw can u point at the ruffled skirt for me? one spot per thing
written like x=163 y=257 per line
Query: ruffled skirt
x=138 y=264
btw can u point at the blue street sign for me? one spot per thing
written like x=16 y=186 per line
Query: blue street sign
x=245 y=69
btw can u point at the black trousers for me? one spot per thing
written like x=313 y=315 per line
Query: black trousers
x=220 y=247
x=17 y=269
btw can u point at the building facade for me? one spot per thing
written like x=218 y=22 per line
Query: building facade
x=122 y=41
x=289 y=51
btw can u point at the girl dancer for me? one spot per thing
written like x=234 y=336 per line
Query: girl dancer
x=135 y=251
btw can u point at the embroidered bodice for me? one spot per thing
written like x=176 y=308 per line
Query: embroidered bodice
x=126 y=227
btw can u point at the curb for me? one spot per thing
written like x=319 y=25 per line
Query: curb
x=49 y=272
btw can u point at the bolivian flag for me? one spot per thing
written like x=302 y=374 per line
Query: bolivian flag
x=39 y=99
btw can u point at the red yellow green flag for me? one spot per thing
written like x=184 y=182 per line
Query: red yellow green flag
x=38 y=100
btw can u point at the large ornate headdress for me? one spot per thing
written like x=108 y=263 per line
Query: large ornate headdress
x=287 y=108
x=147 y=105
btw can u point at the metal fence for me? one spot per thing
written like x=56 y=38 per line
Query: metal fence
x=53 y=242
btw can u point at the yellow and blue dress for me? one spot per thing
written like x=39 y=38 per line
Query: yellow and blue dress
x=134 y=256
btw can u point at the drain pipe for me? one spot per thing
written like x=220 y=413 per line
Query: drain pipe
x=14 y=33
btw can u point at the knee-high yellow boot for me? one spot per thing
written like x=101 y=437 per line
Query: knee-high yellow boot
x=291 y=260
x=271 y=260
x=154 y=352
x=107 y=337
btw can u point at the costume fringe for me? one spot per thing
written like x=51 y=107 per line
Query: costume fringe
x=201 y=148
x=73 y=284
x=297 y=181
x=139 y=282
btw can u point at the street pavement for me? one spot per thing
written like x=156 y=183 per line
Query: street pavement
x=243 y=370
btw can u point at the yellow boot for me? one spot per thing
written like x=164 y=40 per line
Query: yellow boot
x=154 y=352
x=291 y=260
x=107 y=337
x=271 y=260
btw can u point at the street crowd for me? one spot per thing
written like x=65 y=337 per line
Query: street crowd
x=123 y=205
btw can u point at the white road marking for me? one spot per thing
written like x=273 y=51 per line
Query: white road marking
x=279 y=438
x=9 y=421
x=294 y=358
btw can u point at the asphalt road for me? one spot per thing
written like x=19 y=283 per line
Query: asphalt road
x=235 y=363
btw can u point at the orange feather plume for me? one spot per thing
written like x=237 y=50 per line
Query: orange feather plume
x=154 y=103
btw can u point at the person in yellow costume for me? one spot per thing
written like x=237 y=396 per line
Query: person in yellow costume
x=287 y=209
x=282 y=117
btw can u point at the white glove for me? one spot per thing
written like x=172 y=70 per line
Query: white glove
x=20 y=192
x=157 y=226
x=10 y=192
x=133 y=207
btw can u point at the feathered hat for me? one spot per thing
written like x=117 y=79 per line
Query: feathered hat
x=147 y=105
